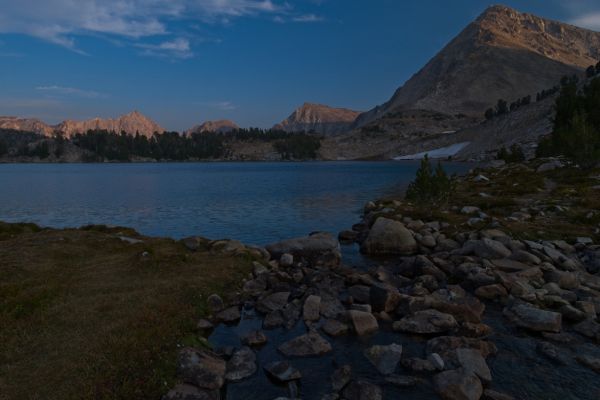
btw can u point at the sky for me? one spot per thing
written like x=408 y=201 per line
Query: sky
x=182 y=62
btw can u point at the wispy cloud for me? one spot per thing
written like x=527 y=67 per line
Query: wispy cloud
x=589 y=21
x=70 y=92
x=176 y=48
x=307 y=18
x=219 y=105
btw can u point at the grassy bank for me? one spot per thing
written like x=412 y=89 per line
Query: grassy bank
x=85 y=314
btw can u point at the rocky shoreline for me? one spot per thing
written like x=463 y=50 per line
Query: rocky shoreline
x=436 y=285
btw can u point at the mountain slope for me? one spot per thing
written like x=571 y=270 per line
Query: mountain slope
x=131 y=123
x=503 y=54
x=220 y=126
x=26 y=124
x=318 y=118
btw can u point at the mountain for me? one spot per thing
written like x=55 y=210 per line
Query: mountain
x=318 y=118
x=220 y=126
x=503 y=54
x=26 y=124
x=131 y=123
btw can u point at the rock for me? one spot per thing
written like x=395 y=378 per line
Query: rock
x=445 y=345
x=384 y=358
x=255 y=286
x=588 y=328
x=487 y=248
x=273 y=320
x=282 y=371
x=341 y=377
x=458 y=384
x=481 y=178
x=428 y=241
x=311 y=248
x=241 y=365
x=436 y=360
x=571 y=313
x=335 y=328
x=388 y=236
x=471 y=360
x=348 y=236
x=566 y=280
x=229 y=315
x=311 y=310
x=310 y=344
x=550 y=351
x=384 y=298
x=489 y=394
x=201 y=368
x=549 y=166
x=204 y=325
x=525 y=257
x=418 y=365
x=534 y=319
x=273 y=302
x=584 y=240
x=331 y=307
x=491 y=292
x=362 y=390
x=364 y=323
x=194 y=243
x=188 y=392
x=254 y=338
x=214 y=303
x=360 y=293
x=470 y=210
x=589 y=361
x=426 y=322
x=286 y=260
x=402 y=380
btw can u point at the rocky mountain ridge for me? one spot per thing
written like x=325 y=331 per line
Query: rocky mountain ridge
x=218 y=126
x=318 y=118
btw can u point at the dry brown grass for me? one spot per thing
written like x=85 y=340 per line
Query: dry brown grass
x=85 y=315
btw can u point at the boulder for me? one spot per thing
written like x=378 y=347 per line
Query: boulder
x=384 y=298
x=426 y=322
x=312 y=248
x=489 y=394
x=311 y=309
x=241 y=365
x=458 y=384
x=273 y=302
x=364 y=323
x=388 y=236
x=282 y=371
x=201 y=368
x=360 y=294
x=534 y=319
x=286 y=260
x=254 y=338
x=471 y=360
x=310 y=344
x=486 y=248
x=589 y=361
x=214 y=303
x=335 y=328
x=384 y=358
x=362 y=390
x=402 y=380
x=229 y=315
x=491 y=292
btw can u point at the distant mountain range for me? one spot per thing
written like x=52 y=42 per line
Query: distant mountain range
x=503 y=54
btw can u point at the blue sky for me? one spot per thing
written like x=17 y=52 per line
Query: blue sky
x=253 y=61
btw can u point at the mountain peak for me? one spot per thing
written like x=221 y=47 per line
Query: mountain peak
x=318 y=118
x=218 y=126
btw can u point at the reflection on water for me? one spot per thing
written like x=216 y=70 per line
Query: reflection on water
x=254 y=202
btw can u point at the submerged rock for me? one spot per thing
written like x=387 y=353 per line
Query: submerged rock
x=201 y=368
x=426 y=322
x=282 y=371
x=310 y=344
x=384 y=358
x=241 y=365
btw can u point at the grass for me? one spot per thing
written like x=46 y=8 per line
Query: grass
x=85 y=315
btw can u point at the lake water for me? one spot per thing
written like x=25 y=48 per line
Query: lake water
x=256 y=203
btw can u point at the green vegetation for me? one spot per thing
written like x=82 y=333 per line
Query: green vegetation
x=576 y=133
x=514 y=154
x=86 y=315
x=430 y=186
x=298 y=147
x=502 y=107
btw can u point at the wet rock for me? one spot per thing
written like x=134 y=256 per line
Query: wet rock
x=360 y=293
x=402 y=380
x=384 y=358
x=458 y=384
x=491 y=292
x=389 y=237
x=341 y=377
x=362 y=390
x=384 y=298
x=550 y=351
x=201 y=368
x=310 y=344
x=489 y=394
x=254 y=338
x=229 y=315
x=273 y=302
x=436 y=360
x=364 y=323
x=241 y=365
x=426 y=322
x=214 y=303
x=314 y=248
x=312 y=307
x=471 y=360
x=335 y=328
x=188 y=392
x=534 y=319
x=589 y=361
x=282 y=371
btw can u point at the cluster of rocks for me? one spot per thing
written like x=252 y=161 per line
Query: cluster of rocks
x=436 y=287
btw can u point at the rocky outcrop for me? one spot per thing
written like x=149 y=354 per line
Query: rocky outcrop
x=131 y=123
x=26 y=125
x=318 y=118
x=219 y=126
